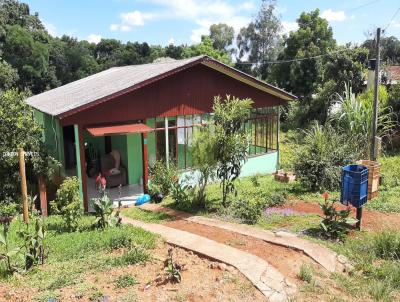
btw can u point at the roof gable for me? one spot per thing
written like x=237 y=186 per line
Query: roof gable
x=116 y=81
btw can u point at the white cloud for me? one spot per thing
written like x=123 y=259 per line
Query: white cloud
x=51 y=29
x=289 y=26
x=93 y=38
x=171 y=41
x=132 y=19
x=201 y=12
x=395 y=24
x=331 y=15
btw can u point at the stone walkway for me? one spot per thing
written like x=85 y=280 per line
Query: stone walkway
x=327 y=258
x=263 y=275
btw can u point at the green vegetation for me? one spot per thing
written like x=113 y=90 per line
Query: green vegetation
x=124 y=281
x=68 y=203
x=70 y=255
x=146 y=216
x=305 y=273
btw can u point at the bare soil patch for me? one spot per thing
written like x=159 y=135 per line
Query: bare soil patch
x=372 y=220
x=202 y=280
x=286 y=260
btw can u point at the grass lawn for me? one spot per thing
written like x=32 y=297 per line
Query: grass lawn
x=70 y=256
x=146 y=216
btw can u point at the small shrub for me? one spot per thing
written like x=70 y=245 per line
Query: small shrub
x=334 y=224
x=7 y=252
x=33 y=242
x=124 y=281
x=305 y=273
x=182 y=194
x=246 y=211
x=172 y=269
x=277 y=198
x=68 y=202
x=133 y=256
x=104 y=212
x=320 y=159
x=162 y=177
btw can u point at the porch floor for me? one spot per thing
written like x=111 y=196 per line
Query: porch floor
x=128 y=195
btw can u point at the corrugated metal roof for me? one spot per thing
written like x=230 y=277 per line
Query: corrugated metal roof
x=109 y=82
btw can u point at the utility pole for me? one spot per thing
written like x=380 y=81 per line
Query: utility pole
x=374 y=149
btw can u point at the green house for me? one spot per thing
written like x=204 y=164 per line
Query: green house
x=121 y=120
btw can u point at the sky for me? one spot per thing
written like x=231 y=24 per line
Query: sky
x=185 y=21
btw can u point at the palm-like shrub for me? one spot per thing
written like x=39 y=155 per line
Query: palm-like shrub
x=354 y=117
x=319 y=160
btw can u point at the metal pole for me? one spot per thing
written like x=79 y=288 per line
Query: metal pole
x=374 y=150
x=166 y=142
x=24 y=190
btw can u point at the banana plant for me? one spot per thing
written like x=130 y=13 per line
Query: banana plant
x=9 y=252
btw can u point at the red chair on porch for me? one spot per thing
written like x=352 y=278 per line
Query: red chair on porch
x=113 y=170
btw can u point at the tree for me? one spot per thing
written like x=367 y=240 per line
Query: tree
x=231 y=145
x=390 y=49
x=347 y=66
x=204 y=160
x=107 y=52
x=19 y=129
x=222 y=35
x=314 y=37
x=260 y=41
x=8 y=76
x=206 y=48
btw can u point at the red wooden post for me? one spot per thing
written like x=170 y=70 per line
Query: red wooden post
x=83 y=168
x=145 y=155
x=43 y=196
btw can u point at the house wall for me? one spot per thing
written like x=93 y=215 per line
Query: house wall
x=190 y=91
x=52 y=136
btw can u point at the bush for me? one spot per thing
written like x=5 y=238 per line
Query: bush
x=246 y=211
x=320 y=159
x=334 y=224
x=305 y=273
x=68 y=203
x=104 y=212
x=162 y=177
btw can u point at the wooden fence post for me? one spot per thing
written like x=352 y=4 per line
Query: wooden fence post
x=24 y=190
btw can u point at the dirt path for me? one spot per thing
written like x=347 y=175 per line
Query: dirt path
x=372 y=220
x=287 y=261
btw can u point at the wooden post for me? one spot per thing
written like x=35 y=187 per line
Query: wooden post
x=359 y=217
x=374 y=149
x=24 y=190
x=145 y=155
x=81 y=164
x=43 y=196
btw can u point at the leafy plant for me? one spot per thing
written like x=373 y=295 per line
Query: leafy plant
x=387 y=245
x=33 y=239
x=335 y=223
x=104 y=212
x=182 y=193
x=68 y=202
x=204 y=161
x=254 y=180
x=125 y=280
x=247 y=211
x=162 y=177
x=7 y=252
x=320 y=159
x=231 y=146
x=172 y=269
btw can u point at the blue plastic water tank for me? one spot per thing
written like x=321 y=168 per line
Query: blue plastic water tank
x=354 y=186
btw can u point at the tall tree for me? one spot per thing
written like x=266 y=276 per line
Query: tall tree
x=314 y=37
x=222 y=36
x=206 y=48
x=390 y=49
x=260 y=41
